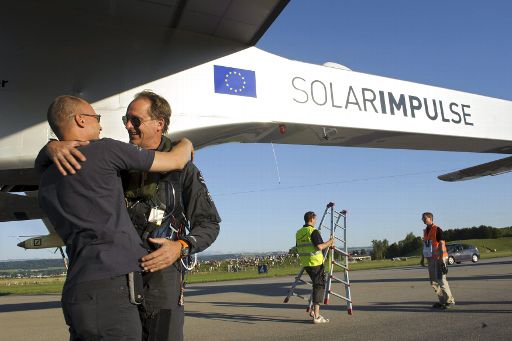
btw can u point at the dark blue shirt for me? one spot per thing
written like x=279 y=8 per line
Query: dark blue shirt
x=89 y=213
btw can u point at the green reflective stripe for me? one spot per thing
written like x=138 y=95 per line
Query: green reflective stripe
x=305 y=244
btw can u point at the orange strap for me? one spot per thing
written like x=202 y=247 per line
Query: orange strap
x=183 y=243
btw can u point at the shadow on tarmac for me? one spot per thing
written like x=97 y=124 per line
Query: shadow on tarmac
x=244 y=318
x=7 y=308
x=280 y=305
x=423 y=306
x=263 y=289
x=413 y=306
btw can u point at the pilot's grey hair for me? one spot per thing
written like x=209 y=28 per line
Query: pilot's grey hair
x=160 y=109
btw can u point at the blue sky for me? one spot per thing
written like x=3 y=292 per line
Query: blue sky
x=461 y=45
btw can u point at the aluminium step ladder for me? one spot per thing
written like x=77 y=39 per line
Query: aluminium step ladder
x=336 y=223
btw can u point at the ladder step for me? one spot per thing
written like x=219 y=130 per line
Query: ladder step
x=340 y=226
x=340 y=280
x=340 y=265
x=341 y=251
x=338 y=238
x=340 y=296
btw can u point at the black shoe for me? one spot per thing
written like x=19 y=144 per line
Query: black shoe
x=437 y=305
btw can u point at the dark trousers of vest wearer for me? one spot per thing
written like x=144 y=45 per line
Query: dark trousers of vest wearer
x=317 y=275
x=101 y=310
x=162 y=317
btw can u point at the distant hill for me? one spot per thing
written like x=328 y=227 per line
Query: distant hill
x=31 y=264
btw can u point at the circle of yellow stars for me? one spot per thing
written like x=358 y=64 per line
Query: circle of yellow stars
x=242 y=81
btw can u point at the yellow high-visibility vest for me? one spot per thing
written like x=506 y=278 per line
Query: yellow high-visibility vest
x=309 y=255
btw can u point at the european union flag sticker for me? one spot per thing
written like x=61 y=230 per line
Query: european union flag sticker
x=233 y=81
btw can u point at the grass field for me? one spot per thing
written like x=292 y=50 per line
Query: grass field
x=500 y=244
x=53 y=285
x=31 y=286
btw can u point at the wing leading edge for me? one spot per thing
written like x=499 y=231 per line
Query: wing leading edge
x=491 y=168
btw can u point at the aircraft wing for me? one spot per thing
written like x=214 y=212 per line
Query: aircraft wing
x=241 y=21
x=18 y=180
x=491 y=168
x=179 y=33
x=198 y=54
x=15 y=207
x=18 y=207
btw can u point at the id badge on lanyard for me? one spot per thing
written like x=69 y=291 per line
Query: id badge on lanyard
x=156 y=216
x=427 y=248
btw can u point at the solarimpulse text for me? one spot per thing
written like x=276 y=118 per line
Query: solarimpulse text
x=379 y=101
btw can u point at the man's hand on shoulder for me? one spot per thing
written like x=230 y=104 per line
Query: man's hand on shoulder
x=168 y=253
x=65 y=155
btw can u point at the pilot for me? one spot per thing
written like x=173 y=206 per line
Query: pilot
x=161 y=205
x=88 y=213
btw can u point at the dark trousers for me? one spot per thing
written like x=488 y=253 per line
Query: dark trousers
x=163 y=325
x=317 y=275
x=161 y=315
x=101 y=310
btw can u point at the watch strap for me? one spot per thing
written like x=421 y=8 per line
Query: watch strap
x=184 y=244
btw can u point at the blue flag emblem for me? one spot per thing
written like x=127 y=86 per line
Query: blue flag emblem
x=233 y=81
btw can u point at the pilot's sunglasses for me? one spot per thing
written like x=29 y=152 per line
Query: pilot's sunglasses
x=98 y=117
x=136 y=122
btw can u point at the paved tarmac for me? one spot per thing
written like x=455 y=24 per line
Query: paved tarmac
x=389 y=304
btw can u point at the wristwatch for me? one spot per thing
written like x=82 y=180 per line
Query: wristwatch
x=185 y=250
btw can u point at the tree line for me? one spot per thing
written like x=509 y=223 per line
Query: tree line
x=31 y=264
x=411 y=245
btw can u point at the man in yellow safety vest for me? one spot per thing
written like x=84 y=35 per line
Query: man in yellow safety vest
x=309 y=247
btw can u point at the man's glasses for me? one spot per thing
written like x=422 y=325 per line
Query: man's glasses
x=98 y=117
x=136 y=122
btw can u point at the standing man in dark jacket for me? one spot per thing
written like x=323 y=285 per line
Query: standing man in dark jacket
x=181 y=197
x=161 y=206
